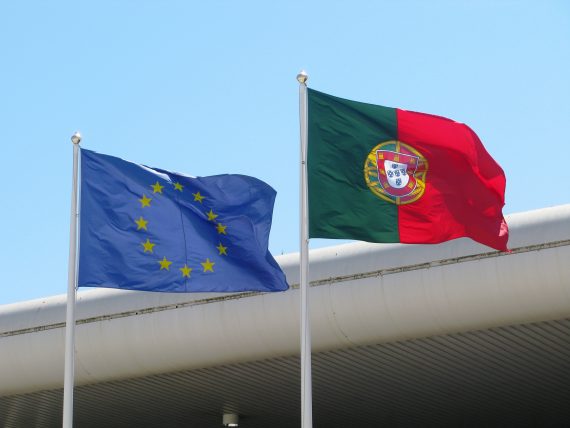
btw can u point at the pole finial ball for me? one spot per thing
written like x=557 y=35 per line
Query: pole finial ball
x=302 y=77
x=76 y=138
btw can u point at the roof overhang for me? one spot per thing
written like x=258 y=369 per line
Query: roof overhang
x=377 y=312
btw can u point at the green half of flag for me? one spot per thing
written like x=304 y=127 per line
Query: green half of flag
x=381 y=174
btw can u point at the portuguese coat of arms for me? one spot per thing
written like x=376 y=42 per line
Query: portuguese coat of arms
x=396 y=172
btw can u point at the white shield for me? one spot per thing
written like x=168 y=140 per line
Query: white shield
x=397 y=174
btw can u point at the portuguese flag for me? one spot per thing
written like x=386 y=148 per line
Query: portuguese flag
x=381 y=174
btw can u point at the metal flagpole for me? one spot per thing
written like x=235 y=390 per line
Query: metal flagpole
x=306 y=384
x=71 y=287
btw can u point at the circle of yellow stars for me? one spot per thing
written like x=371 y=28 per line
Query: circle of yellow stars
x=148 y=246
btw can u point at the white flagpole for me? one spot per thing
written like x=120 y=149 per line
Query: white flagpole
x=71 y=287
x=306 y=384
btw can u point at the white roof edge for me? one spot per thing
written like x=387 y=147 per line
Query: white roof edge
x=527 y=228
x=358 y=298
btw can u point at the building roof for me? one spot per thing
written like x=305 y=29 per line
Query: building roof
x=452 y=334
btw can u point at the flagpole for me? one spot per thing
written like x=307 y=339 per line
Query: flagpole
x=306 y=384
x=71 y=288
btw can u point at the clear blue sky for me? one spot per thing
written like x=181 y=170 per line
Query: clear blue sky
x=209 y=87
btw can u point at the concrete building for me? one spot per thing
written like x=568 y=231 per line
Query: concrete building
x=451 y=335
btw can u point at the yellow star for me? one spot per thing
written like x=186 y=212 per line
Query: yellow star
x=148 y=246
x=156 y=188
x=141 y=223
x=208 y=266
x=221 y=228
x=164 y=264
x=212 y=216
x=186 y=271
x=145 y=202
x=178 y=186
x=223 y=250
x=198 y=197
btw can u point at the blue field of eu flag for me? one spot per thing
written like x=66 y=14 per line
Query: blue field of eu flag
x=149 y=229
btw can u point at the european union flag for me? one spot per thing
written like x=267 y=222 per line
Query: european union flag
x=149 y=229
